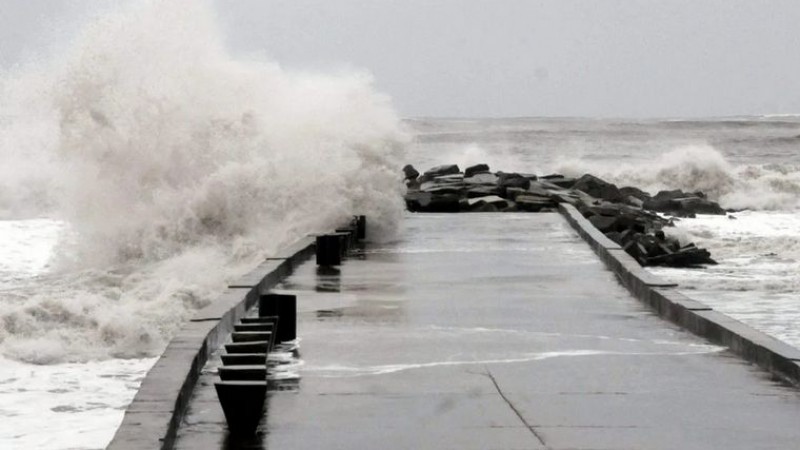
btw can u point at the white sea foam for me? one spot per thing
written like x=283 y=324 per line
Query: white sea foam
x=65 y=406
x=756 y=280
x=176 y=166
x=701 y=168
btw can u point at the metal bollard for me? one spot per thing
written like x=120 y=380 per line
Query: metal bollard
x=256 y=372
x=361 y=227
x=285 y=308
x=244 y=359
x=329 y=250
x=243 y=404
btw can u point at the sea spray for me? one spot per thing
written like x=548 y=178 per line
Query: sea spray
x=701 y=168
x=177 y=166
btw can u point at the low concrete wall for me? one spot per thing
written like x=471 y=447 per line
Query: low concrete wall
x=778 y=358
x=151 y=421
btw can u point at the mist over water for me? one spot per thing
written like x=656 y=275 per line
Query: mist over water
x=174 y=166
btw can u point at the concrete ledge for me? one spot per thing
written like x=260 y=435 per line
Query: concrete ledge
x=151 y=421
x=588 y=232
x=297 y=252
x=778 y=358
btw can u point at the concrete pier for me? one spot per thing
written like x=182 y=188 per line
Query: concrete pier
x=470 y=335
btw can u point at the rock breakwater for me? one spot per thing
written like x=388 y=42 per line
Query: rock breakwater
x=629 y=216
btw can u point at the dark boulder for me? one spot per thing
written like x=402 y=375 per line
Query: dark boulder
x=444 y=203
x=482 y=178
x=485 y=207
x=597 y=188
x=682 y=204
x=533 y=203
x=428 y=202
x=507 y=180
x=698 y=205
x=603 y=223
x=630 y=191
x=477 y=203
x=410 y=172
x=446 y=169
x=477 y=168
x=438 y=171
x=513 y=192
x=418 y=201
x=690 y=256
x=634 y=196
x=560 y=181
x=481 y=191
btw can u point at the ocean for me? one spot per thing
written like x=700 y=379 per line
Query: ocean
x=139 y=177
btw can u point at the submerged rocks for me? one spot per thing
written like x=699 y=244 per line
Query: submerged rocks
x=628 y=215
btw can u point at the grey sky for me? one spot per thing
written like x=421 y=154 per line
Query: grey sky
x=512 y=57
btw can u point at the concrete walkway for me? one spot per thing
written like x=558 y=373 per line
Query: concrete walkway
x=487 y=331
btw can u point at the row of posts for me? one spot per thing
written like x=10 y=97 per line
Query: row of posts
x=242 y=388
x=332 y=247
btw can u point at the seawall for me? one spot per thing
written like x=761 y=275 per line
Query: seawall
x=774 y=356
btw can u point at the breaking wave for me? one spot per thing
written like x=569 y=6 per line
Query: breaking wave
x=175 y=166
x=703 y=168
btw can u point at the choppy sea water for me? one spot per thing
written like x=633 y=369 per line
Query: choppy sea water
x=68 y=405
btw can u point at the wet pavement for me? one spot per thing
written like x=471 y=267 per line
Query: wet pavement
x=496 y=331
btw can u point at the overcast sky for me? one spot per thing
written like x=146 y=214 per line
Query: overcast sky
x=473 y=58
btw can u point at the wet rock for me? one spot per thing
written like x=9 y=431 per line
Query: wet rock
x=542 y=189
x=686 y=257
x=444 y=203
x=560 y=181
x=510 y=208
x=699 y=205
x=533 y=203
x=410 y=172
x=480 y=191
x=485 y=207
x=418 y=201
x=427 y=202
x=603 y=223
x=444 y=188
x=630 y=191
x=482 y=178
x=597 y=188
x=512 y=193
x=515 y=180
x=682 y=204
x=447 y=169
x=476 y=169
x=490 y=199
